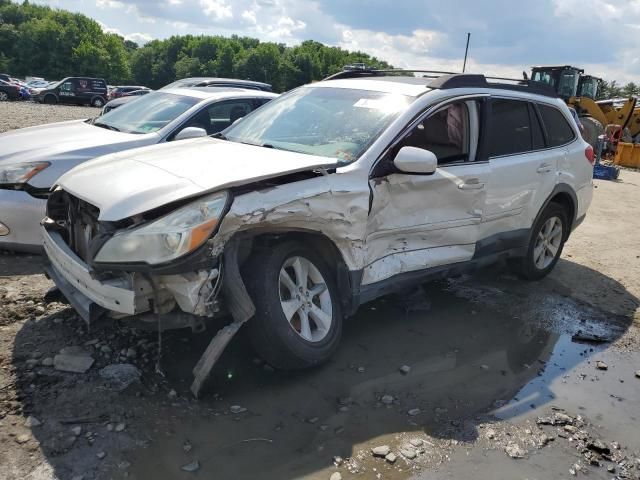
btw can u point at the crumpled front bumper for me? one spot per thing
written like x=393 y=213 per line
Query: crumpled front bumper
x=89 y=296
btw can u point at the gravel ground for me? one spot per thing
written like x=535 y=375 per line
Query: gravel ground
x=497 y=372
x=25 y=114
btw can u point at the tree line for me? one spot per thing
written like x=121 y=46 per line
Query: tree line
x=41 y=41
x=614 y=90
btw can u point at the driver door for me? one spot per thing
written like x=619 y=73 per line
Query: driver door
x=421 y=221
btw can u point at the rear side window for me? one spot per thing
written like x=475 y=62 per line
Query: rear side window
x=559 y=132
x=510 y=128
x=536 y=129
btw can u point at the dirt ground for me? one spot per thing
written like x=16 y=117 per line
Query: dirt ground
x=501 y=385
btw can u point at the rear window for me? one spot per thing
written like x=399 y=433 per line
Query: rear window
x=510 y=128
x=559 y=132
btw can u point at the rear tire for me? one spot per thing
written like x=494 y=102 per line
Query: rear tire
x=592 y=130
x=4 y=97
x=548 y=236
x=294 y=278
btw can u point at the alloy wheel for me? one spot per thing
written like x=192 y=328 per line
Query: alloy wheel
x=4 y=97
x=547 y=243
x=305 y=299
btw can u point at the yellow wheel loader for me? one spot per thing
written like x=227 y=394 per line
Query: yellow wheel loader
x=580 y=91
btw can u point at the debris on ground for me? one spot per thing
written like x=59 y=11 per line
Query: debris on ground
x=586 y=337
x=600 y=365
x=191 y=467
x=73 y=359
x=120 y=375
x=381 y=451
x=515 y=451
x=405 y=369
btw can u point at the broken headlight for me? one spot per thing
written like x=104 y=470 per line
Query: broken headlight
x=167 y=238
x=20 y=172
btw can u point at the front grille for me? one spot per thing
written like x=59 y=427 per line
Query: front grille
x=75 y=219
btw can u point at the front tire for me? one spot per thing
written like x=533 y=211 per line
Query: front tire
x=548 y=236
x=298 y=320
x=4 y=97
x=97 y=102
x=50 y=100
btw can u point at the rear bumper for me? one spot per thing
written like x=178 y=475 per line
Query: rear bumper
x=21 y=214
x=90 y=297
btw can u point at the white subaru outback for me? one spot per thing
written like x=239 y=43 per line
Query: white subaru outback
x=325 y=198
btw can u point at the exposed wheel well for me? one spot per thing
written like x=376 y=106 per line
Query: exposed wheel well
x=249 y=243
x=566 y=202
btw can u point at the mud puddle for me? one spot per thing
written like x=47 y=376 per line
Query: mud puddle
x=479 y=353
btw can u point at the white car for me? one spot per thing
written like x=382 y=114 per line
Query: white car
x=32 y=159
x=327 y=197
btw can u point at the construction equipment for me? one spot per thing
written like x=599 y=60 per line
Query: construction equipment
x=627 y=155
x=580 y=91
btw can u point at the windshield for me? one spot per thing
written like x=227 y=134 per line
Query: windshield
x=330 y=122
x=146 y=114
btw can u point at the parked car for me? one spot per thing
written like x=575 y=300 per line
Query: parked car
x=9 y=91
x=5 y=77
x=328 y=197
x=32 y=159
x=219 y=82
x=125 y=98
x=75 y=91
x=38 y=84
x=119 y=91
x=137 y=93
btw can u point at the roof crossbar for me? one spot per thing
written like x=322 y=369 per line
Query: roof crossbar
x=447 y=80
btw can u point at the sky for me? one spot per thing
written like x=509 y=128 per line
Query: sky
x=507 y=36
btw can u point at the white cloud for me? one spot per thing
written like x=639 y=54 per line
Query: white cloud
x=139 y=38
x=217 y=9
x=250 y=17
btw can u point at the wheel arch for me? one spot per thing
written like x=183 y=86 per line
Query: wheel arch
x=564 y=195
x=252 y=240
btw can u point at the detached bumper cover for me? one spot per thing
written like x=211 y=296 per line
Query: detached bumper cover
x=72 y=276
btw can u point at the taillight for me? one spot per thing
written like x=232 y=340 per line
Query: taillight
x=590 y=155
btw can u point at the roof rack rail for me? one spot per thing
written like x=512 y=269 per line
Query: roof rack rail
x=369 y=72
x=447 y=80
x=465 y=80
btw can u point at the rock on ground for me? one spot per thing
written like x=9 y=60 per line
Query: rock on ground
x=120 y=375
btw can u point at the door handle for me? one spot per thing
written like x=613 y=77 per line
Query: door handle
x=471 y=184
x=544 y=168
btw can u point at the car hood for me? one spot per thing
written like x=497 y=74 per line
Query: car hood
x=125 y=184
x=64 y=143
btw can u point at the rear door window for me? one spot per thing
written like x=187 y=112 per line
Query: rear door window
x=510 y=131
x=559 y=132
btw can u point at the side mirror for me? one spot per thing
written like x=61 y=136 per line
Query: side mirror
x=415 y=160
x=190 y=132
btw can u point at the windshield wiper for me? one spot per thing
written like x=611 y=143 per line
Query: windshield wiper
x=219 y=135
x=108 y=127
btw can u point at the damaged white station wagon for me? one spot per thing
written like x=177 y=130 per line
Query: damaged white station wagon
x=325 y=198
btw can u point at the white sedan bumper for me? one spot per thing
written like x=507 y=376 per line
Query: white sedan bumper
x=72 y=276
